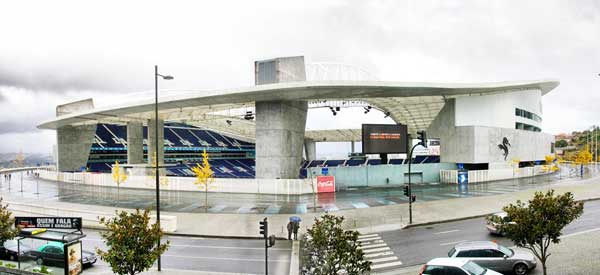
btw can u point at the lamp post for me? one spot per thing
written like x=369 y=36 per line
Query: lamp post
x=165 y=77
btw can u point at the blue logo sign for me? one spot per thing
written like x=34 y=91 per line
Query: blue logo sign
x=324 y=171
x=463 y=177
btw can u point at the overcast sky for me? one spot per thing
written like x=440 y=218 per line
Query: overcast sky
x=52 y=52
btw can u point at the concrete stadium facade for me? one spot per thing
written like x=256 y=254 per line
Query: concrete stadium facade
x=471 y=120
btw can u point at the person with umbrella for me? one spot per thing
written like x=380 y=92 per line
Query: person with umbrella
x=295 y=221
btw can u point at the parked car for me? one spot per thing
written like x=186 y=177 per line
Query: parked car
x=10 y=250
x=494 y=220
x=53 y=254
x=454 y=266
x=494 y=256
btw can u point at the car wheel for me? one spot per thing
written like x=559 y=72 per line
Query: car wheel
x=520 y=269
x=39 y=261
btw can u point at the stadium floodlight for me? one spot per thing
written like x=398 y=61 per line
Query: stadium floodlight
x=157 y=175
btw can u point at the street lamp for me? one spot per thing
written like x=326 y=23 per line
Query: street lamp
x=165 y=77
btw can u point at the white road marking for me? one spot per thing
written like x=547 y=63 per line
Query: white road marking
x=379 y=266
x=367 y=251
x=371 y=242
x=387 y=253
x=446 y=232
x=367 y=236
x=579 y=233
x=373 y=245
x=369 y=239
x=443 y=244
x=386 y=259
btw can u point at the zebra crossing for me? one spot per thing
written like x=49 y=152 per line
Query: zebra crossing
x=378 y=252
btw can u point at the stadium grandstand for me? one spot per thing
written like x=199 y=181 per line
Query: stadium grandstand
x=183 y=145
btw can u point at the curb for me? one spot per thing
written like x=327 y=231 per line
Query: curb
x=101 y=228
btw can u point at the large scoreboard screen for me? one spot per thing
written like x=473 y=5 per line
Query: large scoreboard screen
x=384 y=138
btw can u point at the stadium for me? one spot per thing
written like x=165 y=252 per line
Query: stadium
x=492 y=131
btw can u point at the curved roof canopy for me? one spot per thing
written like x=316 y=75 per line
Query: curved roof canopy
x=414 y=104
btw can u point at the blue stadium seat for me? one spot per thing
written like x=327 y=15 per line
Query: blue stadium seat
x=354 y=162
x=374 y=162
x=334 y=162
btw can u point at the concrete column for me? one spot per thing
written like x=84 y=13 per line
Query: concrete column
x=310 y=148
x=151 y=141
x=135 y=143
x=352 y=145
x=279 y=138
x=73 y=146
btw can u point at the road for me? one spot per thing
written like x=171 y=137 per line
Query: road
x=417 y=245
x=209 y=254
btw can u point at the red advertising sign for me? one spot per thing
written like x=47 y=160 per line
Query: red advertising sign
x=325 y=184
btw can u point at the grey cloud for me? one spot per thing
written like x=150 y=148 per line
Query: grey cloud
x=20 y=126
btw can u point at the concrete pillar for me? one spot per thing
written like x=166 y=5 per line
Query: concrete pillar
x=151 y=141
x=73 y=146
x=310 y=148
x=135 y=143
x=279 y=138
x=352 y=145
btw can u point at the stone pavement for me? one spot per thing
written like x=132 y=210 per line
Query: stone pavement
x=366 y=220
x=576 y=254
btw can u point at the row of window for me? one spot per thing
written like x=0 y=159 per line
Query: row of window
x=527 y=127
x=527 y=114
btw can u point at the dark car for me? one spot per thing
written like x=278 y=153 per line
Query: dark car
x=53 y=254
x=10 y=250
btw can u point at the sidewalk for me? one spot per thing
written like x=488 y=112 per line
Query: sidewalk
x=366 y=220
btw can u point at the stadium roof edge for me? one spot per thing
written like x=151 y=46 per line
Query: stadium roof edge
x=216 y=100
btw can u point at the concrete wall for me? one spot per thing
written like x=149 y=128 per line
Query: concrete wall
x=151 y=141
x=310 y=149
x=479 y=144
x=383 y=175
x=279 y=138
x=73 y=146
x=135 y=143
x=498 y=110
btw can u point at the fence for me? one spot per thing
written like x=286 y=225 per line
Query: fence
x=254 y=186
x=451 y=176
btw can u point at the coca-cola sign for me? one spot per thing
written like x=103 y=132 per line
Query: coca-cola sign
x=325 y=184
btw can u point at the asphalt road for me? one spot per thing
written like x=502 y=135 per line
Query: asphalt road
x=418 y=245
x=209 y=254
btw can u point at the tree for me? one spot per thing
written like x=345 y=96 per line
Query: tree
x=132 y=242
x=204 y=176
x=539 y=223
x=330 y=249
x=8 y=230
x=119 y=176
x=562 y=143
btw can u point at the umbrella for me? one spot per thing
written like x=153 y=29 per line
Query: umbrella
x=295 y=219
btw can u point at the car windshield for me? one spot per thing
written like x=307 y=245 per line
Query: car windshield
x=506 y=251
x=473 y=268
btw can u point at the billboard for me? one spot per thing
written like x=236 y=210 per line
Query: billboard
x=73 y=258
x=49 y=222
x=325 y=184
x=384 y=138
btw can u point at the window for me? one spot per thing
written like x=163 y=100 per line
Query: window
x=493 y=253
x=527 y=114
x=451 y=252
x=527 y=127
x=464 y=254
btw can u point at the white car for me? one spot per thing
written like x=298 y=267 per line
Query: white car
x=454 y=266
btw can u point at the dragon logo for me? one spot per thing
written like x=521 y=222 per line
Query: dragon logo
x=504 y=147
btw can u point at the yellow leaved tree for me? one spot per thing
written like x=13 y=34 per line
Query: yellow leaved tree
x=551 y=163
x=582 y=157
x=119 y=176
x=204 y=176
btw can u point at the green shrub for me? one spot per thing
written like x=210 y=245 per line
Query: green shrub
x=9 y=265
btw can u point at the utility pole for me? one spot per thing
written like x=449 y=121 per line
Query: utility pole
x=422 y=136
x=264 y=231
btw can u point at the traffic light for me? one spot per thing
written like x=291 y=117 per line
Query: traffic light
x=422 y=136
x=406 y=190
x=271 y=240
x=264 y=228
